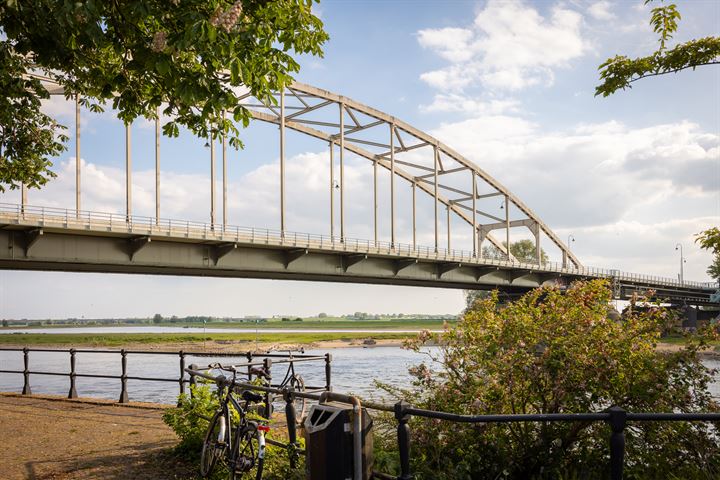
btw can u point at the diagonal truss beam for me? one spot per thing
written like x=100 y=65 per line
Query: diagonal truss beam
x=298 y=127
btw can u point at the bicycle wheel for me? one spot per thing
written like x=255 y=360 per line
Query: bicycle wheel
x=247 y=448
x=212 y=449
x=298 y=384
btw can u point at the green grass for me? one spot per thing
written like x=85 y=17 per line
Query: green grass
x=384 y=324
x=120 y=339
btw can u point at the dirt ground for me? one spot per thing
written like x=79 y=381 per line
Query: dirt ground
x=48 y=438
x=232 y=346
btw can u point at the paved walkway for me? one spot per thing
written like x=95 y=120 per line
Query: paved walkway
x=46 y=438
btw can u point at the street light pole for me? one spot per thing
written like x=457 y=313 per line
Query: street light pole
x=682 y=260
x=570 y=237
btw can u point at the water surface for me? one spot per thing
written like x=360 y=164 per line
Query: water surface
x=354 y=370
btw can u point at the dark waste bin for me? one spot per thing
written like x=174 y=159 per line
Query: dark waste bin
x=329 y=442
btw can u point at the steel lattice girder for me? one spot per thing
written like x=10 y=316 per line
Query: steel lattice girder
x=306 y=94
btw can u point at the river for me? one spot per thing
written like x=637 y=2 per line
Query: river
x=354 y=370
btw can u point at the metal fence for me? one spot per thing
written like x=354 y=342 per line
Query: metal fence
x=253 y=359
x=616 y=417
x=144 y=225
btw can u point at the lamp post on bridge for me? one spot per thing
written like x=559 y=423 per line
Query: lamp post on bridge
x=682 y=260
x=570 y=237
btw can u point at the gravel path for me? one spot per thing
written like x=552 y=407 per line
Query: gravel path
x=47 y=438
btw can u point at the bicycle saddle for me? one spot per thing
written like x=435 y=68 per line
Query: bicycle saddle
x=251 y=397
x=260 y=372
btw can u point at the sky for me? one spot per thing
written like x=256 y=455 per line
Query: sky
x=507 y=83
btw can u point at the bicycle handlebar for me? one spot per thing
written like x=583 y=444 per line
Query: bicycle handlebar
x=258 y=371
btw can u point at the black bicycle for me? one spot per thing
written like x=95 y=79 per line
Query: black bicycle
x=232 y=438
x=296 y=382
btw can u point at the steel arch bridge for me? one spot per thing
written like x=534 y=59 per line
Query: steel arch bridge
x=40 y=238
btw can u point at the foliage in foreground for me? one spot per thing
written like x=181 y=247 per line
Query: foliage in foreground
x=619 y=72
x=192 y=59
x=558 y=352
x=710 y=240
x=189 y=420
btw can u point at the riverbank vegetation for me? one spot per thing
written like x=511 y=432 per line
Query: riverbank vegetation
x=558 y=352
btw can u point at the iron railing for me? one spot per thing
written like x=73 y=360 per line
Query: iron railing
x=253 y=359
x=616 y=417
x=144 y=225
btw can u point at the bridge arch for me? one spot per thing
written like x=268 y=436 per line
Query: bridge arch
x=401 y=138
x=345 y=132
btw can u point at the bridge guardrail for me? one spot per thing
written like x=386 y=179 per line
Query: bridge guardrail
x=144 y=225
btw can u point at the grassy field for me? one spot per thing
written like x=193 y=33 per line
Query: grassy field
x=312 y=323
x=121 y=339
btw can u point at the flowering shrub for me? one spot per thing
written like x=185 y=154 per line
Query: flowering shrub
x=559 y=352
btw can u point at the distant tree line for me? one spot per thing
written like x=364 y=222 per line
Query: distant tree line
x=159 y=319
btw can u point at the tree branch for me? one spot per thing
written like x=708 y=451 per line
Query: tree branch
x=672 y=71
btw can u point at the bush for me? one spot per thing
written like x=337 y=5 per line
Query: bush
x=559 y=352
x=189 y=420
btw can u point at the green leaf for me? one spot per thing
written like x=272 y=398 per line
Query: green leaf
x=162 y=66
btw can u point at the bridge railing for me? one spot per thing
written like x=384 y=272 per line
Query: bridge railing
x=144 y=225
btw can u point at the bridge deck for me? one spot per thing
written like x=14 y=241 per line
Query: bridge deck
x=56 y=239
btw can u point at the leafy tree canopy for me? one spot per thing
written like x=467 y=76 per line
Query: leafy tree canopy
x=192 y=59
x=620 y=71
x=523 y=250
x=710 y=240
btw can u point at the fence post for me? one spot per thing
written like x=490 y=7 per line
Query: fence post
x=249 y=357
x=618 y=418
x=403 y=434
x=291 y=420
x=267 y=364
x=123 y=378
x=328 y=372
x=72 y=393
x=181 y=380
x=26 y=372
x=193 y=380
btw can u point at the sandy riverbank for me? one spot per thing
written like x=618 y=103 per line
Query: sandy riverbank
x=225 y=346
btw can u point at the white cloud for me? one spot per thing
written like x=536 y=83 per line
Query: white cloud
x=646 y=247
x=450 y=43
x=601 y=10
x=597 y=174
x=58 y=107
x=510 y=46
x=452 y=102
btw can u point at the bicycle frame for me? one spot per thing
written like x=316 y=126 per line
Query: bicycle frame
x=226 y=399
